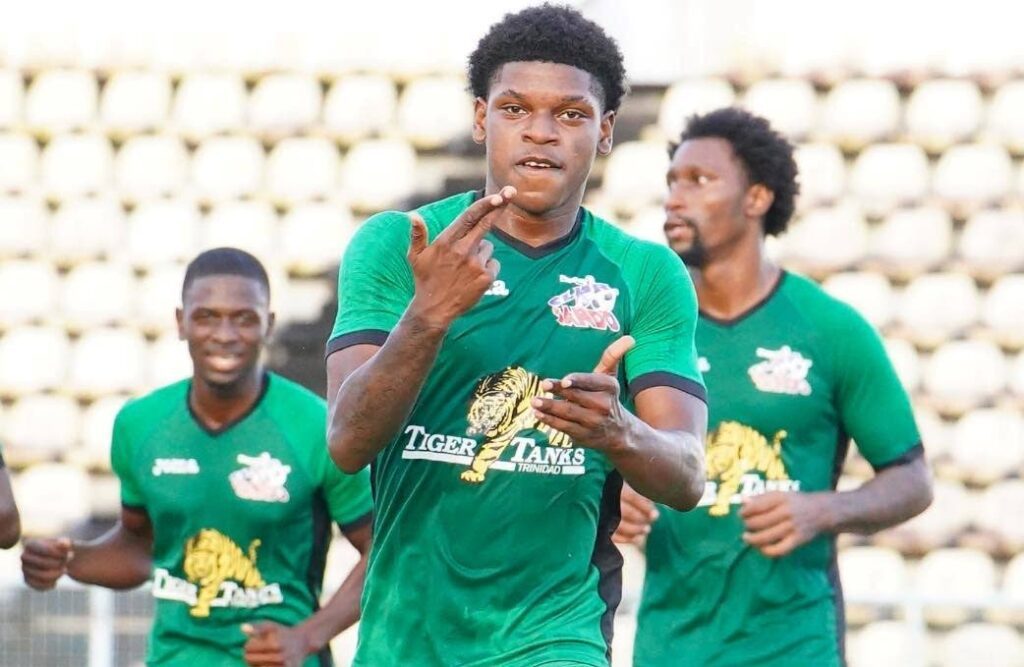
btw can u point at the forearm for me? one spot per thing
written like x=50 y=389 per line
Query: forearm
x=118 y=559
x=890 y=497
x=10 y=528
x=665 y=466
x=339 y=614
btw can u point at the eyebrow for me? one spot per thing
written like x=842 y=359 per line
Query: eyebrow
x=566 y=99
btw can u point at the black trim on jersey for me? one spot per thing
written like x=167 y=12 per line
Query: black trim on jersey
x=733 y=321
x=666 y=379
x=607 y=558
x=318 y=563
x=536 y=252
x=357 y=523
x=134 y=508
x=363 y=337
x=912 y=454
x=234 y=422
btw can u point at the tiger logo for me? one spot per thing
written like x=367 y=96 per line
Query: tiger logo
x=734 y=450
x=500 y=411
x=211 y=558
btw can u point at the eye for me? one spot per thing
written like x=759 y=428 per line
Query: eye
x=701 y=179
x=573 y=114
x=513 y=109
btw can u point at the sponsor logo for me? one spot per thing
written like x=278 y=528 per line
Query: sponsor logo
x=263 y=479
x=740 y=463
x=497 y=288
x=175 y=467
x=783 y=371
x=588 y=304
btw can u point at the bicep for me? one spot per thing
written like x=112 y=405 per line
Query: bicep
x=342 y=363
x=669 y=409
x=136 y=522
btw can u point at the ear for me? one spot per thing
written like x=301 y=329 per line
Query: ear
x=479 y=120
x=179 y=315
x=604 y=140
x=271 y=319
x=758 y=200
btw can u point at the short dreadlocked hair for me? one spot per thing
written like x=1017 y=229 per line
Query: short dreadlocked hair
x=766 y=156
x=554 y=34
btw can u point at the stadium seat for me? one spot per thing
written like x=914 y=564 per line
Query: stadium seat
x=105 y=497
x=12 y=98
x=988 y=445
x=886 y=644
x=1001 y=504
x=159 y=294
x=686 y=98
x=149 y=167
x=247 y=225
x=303 y=301
x=1013 y=589
x=301 y=168
x=52 y=498
x=169 y=361
x=634 y=176
x=938 y=306
x=23 y=229
x=1003 y=311
x=935 y=434
x=40 y=427
x=108 y=361
x=826 y=240
x=86 y=229
x=821 y=173
x=60 y=101
x=160 y=232
x=435 y=111
x=951 y=576
x=860 y=112
x=869 y=293
x=885 y=176
x=314 y=236
x=870 y=573
x=942 y=112
x=648 y=223
x=228 y=168
x=29 y=289
x=378 y=174
x=284 y=104
x=1005 y=124
x=19 y=169
x=97 y=431
x=951 y=511
x=982 y=644
x=76 y=165
x=906 y=362
x=790 y=105
x=208 y=104
x=135 y=102
x=33 y=359
x=359 y=106
x=963 y=374
x=96 y=294
x=971 y=176
x=911 y=241
x=992 y=243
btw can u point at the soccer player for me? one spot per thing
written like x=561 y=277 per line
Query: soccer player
x=228 y=494
x=749 y=577
x=504 y=359
x=10 y=520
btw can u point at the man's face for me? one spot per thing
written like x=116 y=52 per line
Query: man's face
x=542 y=125
x=704 y=209
x=226 y=320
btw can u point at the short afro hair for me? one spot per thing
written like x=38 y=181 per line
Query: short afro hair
x=553 y=34
x=225 y=262
x=766 y=156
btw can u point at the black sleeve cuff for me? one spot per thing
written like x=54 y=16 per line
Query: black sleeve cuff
x=912 y=454
x=355 y=524
x=364 y=337
x=665 y=379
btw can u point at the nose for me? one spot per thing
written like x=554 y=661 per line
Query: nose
x=225 y=331
x=675 y=199
x=540 y=129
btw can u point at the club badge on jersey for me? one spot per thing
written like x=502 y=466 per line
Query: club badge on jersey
x=588 y=304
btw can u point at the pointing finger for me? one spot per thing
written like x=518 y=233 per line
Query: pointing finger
x=613 y=354
x=417 y=235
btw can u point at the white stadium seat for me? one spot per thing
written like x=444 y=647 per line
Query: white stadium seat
x=359 y=106
x=1006 y=117
x=41 y=427
x=302 y=168
x=77 y=165
x=86 y=229
x=19 y=168
x=1003 y=500
x=826 y=239
x=942 y=112
x=228 y=168
x=988 y=445
x=992 y=243
x=148 y=167
x=12 y=98
x=96 y=294
x=1003 y=311
x=1013 y=581
x=60 y=101
x=870 y=293
x=635 y=175
x=314 y=236
x=935 y=434
x=169 y=360
x=954 y=574
x=52 y=498
x=886 y=644
x=22 y=227
x=246 y=225
x=97 y=432
x=970 y=176
x=303 y=300
x=964 y=374
x=435 y=111
x=859 y=112
x=208 y=104
x=135 y=102
x=951 y=511
x=378 y=174
x=33 y=359
x=938 y=306
x=1017 y=378
x=108 y=361
x=159 y=295
x=686 y=98
x=790 y=105
x=982 y=644
x=906 y=362
x=885 y=176
x=911 y=241
x=648 y=223
x=870 y=572
x=821 y=174
x=284 y=104
x=29 y=289
x=163 y=231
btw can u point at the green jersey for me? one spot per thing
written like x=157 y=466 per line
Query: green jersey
x=790 y=382
x=492 y=531
x=241 y=516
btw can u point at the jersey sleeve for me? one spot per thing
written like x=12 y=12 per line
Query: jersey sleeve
x=664 y=326
x=874 y=409
x=348 y=497
x=121 y=454
x=374 y=282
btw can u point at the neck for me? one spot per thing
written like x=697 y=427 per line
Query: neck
x=536 y=229
x=216 y=406
x=729 y=285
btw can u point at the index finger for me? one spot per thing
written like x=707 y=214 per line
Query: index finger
x=758 y=504
x=613 y=354
x=474 y=221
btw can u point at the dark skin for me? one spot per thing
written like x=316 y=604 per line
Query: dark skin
x=711 y=203
x=226 y=321
x=542 y=124
x=10 y=520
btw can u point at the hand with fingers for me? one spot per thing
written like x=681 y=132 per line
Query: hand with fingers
x=274 y=645
x=586 y=406
x=453 y=272
x=778 y=522
x=638 y=513
x=44 y=561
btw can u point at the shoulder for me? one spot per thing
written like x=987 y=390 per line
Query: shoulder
x=291 y=400
x=389 y=230
x=155 y=405
x=821 y=309
x=637 y=258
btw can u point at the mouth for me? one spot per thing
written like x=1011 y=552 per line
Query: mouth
x=223 y=361
x=680 y=231
x=538 y=163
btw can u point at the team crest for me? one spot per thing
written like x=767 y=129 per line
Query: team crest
x=588 y=304
x=263 y=479
x=741 y=462
x=783 y=371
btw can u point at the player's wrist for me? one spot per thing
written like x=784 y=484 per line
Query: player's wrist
x=428 y=317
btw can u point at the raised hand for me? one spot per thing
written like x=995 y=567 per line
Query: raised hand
x=274 y=645
x=44 y=561
x=453 y=272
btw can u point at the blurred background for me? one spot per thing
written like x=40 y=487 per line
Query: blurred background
x=134 y=135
